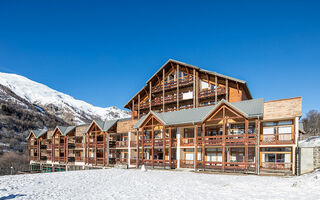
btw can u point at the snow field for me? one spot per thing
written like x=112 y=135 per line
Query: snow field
x=156 y=184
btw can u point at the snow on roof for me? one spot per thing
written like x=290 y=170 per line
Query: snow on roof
x=313 y=141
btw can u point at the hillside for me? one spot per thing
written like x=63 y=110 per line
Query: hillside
x=26 y=105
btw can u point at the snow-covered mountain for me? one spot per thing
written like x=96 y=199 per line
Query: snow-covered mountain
x=48 y=100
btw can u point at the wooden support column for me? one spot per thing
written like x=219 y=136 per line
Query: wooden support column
x=152 y=139
x=257 y=155
x=194 y=88
x=150 y=93
x=95 y=146
x=170 y=147
x=108 y=148
x=86 y=148
x=164 y=145
x=163 y=92
x=104 y=148
x=177 y=77
x=227 y=90
x=65 y=149
x=59 y=148
x=195 y=146
x=137 y=161
x=133 y=109
x=223 y=138
x=197 y=89
x=216 y=90
x=142 y=149
x=53 y=149
x=139 y=106
x=38 y=142
x=246 y=129
x=203 y=145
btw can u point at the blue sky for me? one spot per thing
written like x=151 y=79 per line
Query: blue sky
x=104 y=51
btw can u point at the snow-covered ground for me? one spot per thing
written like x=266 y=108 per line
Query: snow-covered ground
x=153 y=184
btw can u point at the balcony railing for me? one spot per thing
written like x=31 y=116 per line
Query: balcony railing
x=172 y=84
x=79 y=159
x=211 y=92
x=79 y=145
x=276 y=166
x=120 y=144
x=210 y=140
x=187 y=141
x=133 y=143
x=121 y=160
x=278 y=139
x=187 y=163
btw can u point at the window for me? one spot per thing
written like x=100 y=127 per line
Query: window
x=188 y=133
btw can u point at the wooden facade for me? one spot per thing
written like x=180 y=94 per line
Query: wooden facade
x=225 y=140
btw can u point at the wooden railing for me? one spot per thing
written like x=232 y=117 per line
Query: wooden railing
x=79 y=159
x=276 y=166
x=99 y=161
x=172 y=84
x=133 y=143
x=235 y=139
x=186 y=141
x=79 y=145
x=278 y=139
x=186 y=163
x=158 y=142
x=210 y=140
x=211 y=92
x=91 y=160
x=61 y=159
x=121 y=160
x=121 y=144
x=239 y=165
x=49 y=158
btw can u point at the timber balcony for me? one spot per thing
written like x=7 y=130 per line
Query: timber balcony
x=231 y=166
x=158 y=142
x=211 y=92
x=218 y=140
x=278 y=139
x=158 y=163
x=249 y=166
x=173 y=84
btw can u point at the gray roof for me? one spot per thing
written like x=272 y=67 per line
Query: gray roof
x=65 y=129
x=37 y=133
x=249 y=108
x=103 y=125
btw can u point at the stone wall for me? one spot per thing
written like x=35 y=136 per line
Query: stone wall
x=316 y=157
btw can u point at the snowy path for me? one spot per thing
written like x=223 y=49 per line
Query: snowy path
x=135 y=184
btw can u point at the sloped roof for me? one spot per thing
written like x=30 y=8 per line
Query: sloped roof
x=249 y=108
x=103 y=125
x=37 y=133
x=194 y=67
x=65 y=129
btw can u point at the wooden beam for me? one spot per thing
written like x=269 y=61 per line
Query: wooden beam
x=138 y=157
x=139 y=106
x=194 y=88
x=177 y=76
x=170 y=148
x=223 y=138
x=163 y=92
x=132 y=109
x=216 y=90
x=150 y=99
x=108 y=148
x=227 y=90
x=246 y=130
x=203 y=145
x=152 y=139
x=195 y=146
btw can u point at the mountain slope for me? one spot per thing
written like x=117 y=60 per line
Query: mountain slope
x=56 y=103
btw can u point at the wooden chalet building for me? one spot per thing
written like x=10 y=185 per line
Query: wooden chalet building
x=184 y=117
